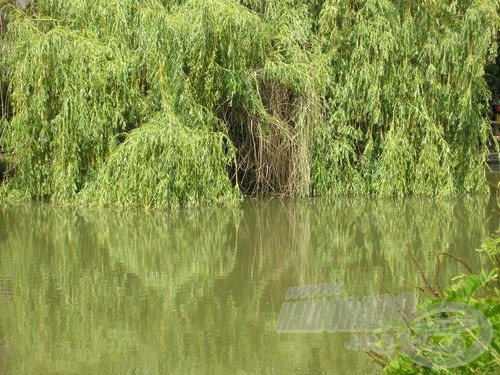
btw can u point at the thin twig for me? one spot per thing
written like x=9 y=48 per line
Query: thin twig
x=424 y=277
x=458 y=260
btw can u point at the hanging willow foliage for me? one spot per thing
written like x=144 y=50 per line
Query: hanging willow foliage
x=407 y=112
x=70 y=95
x=287 y=97
x=164 y=164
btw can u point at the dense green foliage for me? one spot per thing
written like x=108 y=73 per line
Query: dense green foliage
x=480 y=290
x=288 y=97
x=176 y=167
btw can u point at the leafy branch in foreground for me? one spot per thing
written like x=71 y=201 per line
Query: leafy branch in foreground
x=479 y=290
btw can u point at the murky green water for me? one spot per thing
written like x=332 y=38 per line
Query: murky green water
x=121 y=292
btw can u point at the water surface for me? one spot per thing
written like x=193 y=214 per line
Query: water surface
x=133 y=292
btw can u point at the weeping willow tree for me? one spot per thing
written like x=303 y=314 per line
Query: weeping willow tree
x=407 y=112
x=174 y=103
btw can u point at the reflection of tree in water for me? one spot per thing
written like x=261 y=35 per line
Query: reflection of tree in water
x=113 y=291
x=96 y=280
x=313 y=242
x=5 y=366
